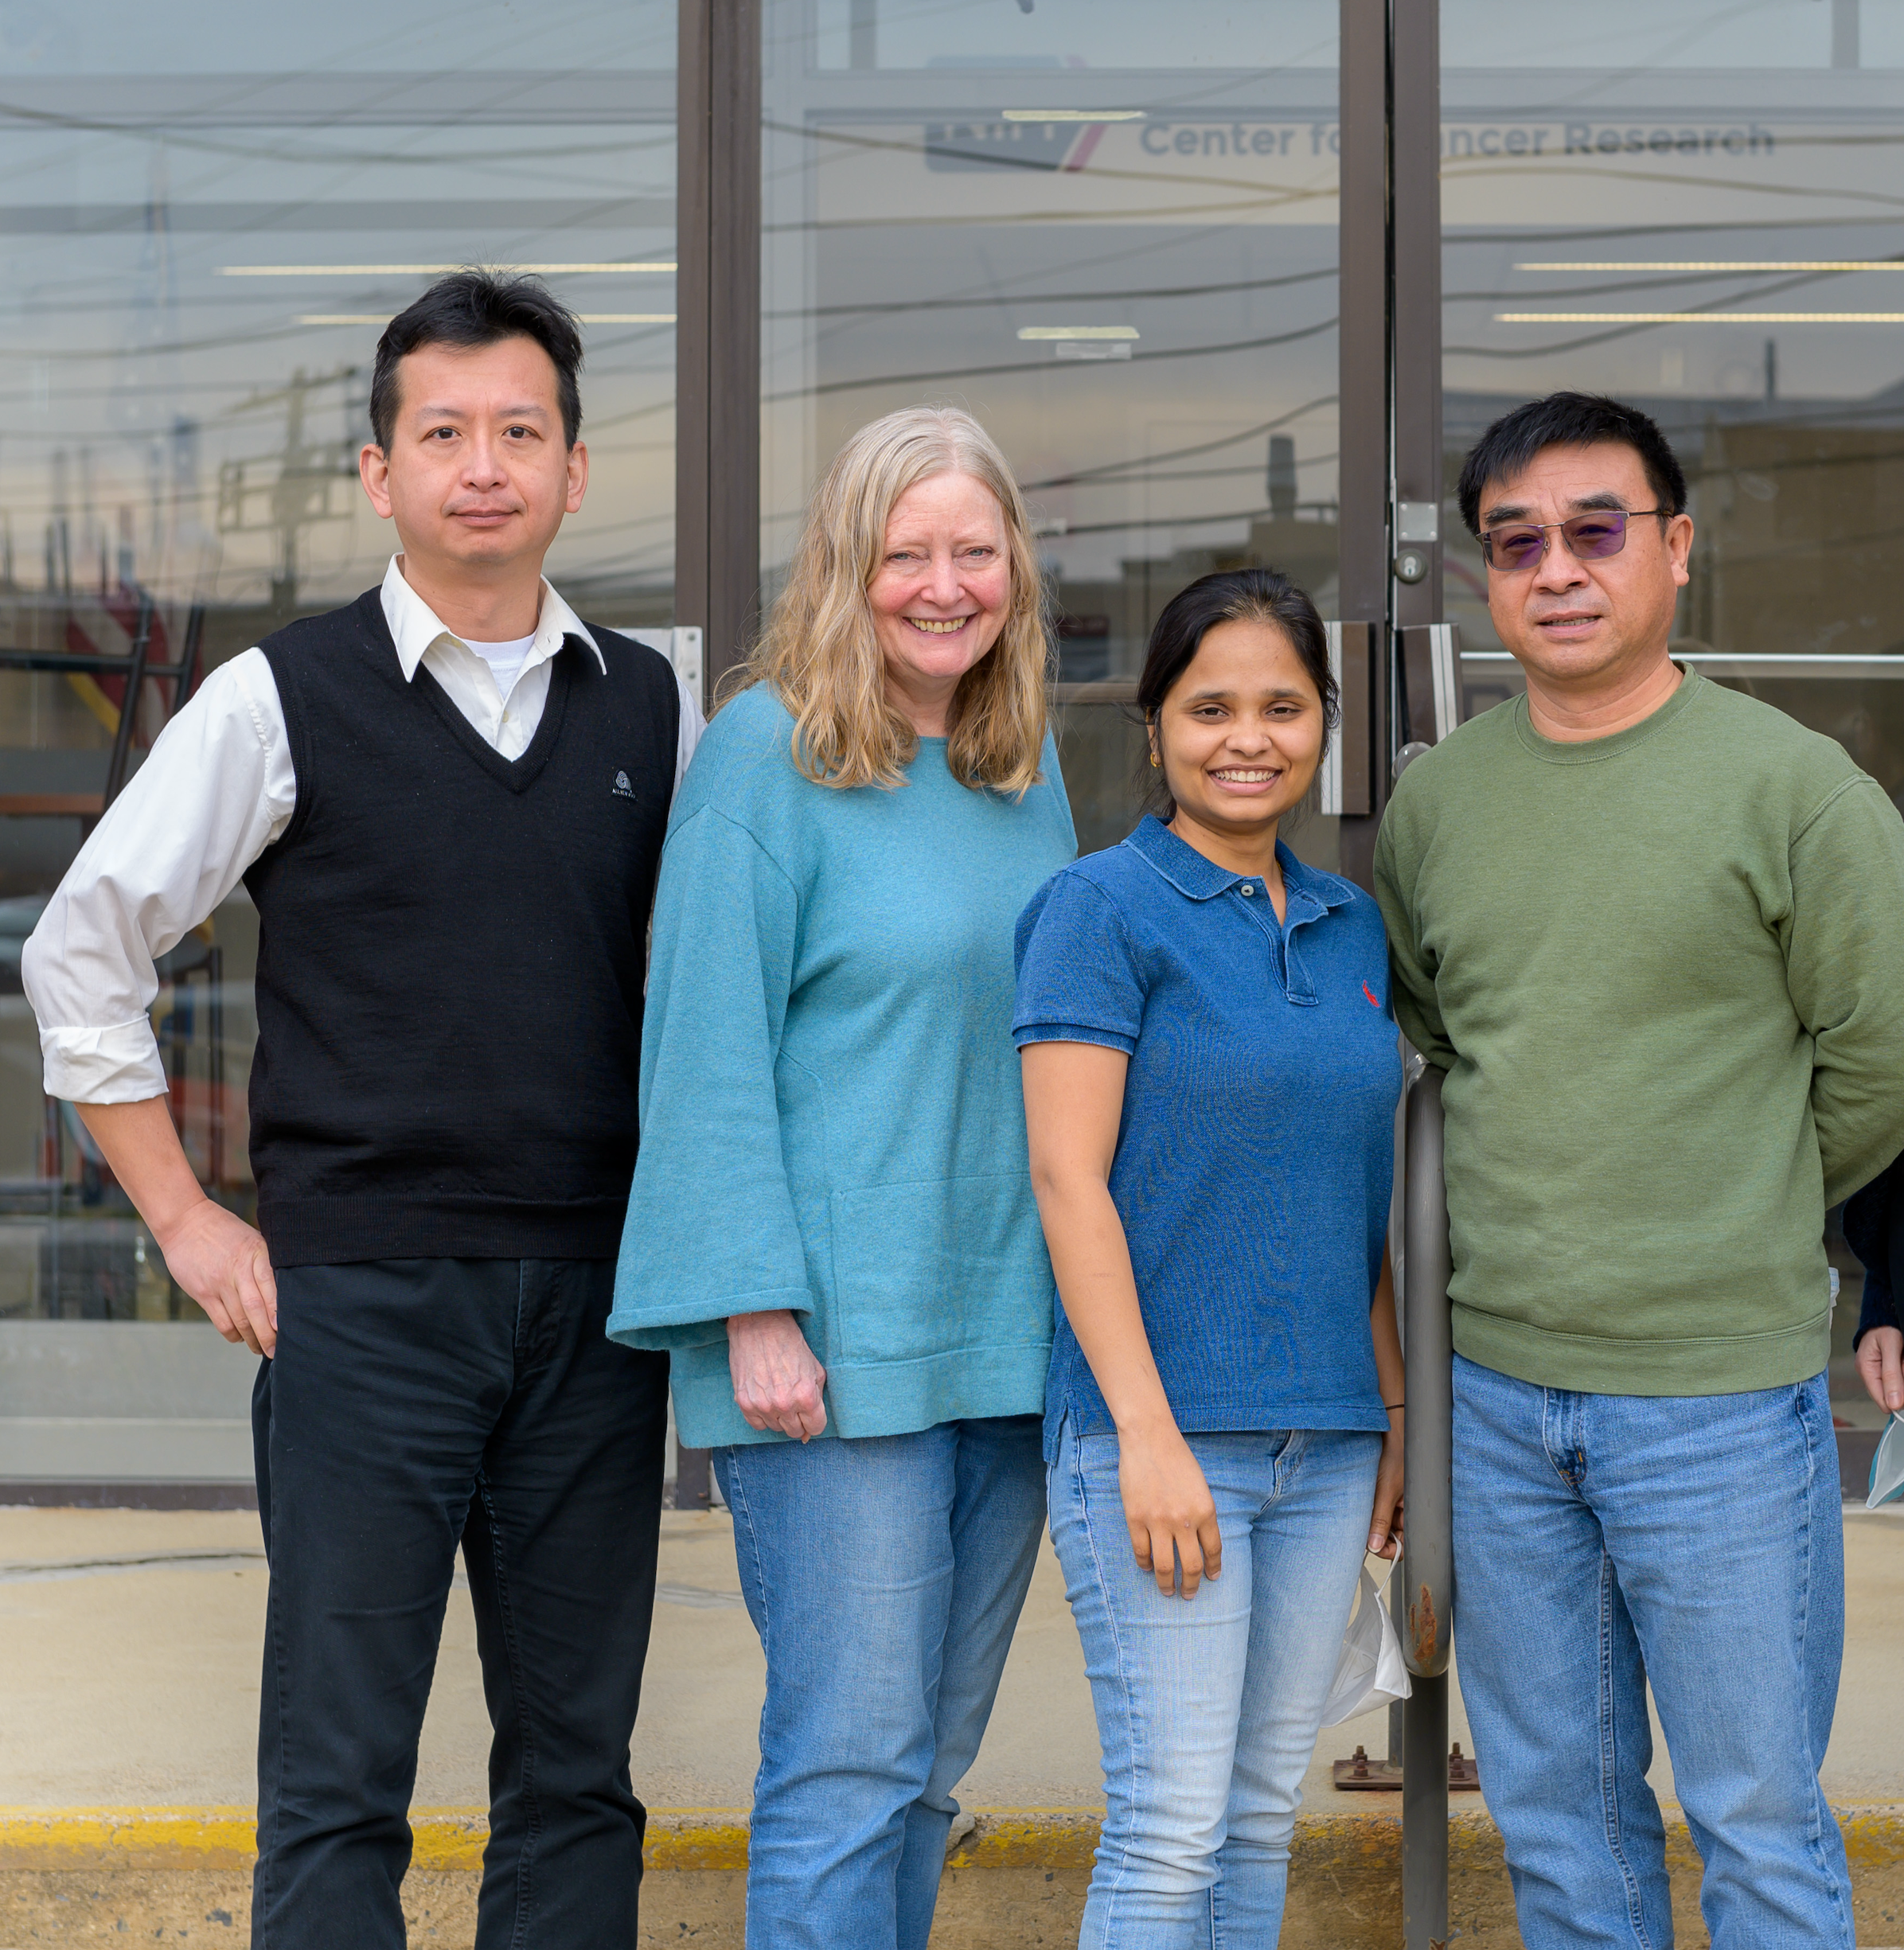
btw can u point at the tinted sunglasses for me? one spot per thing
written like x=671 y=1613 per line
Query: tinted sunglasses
x=1590 y=538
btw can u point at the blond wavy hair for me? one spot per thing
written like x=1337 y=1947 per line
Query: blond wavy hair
x=818 y=649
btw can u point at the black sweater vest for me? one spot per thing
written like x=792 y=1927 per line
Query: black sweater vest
x=451 y=952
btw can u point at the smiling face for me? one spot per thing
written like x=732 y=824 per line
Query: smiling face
x=478 y=475
x=940 y=593
x=1240 y=734
x=1581 y=626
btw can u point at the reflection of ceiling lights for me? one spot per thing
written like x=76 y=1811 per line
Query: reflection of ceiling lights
x=1822 y=263
x=1077 y=331
x=1071 y=115
x=584 y=317
x=423 y=271
x=1699 y=317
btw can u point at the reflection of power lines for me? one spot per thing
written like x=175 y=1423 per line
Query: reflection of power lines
x=303 y=478
x=1043 y=365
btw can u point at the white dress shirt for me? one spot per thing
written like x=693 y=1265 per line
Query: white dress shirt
x=215 y=790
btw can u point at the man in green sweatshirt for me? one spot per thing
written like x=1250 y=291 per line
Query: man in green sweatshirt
x=1653 y=932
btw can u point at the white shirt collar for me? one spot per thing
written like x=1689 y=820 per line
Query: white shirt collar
x=414 y=626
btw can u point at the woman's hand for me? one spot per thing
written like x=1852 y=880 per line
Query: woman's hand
x=778 y=1384
x=1881 y=1367
x=1169 y=1507
x=1385 y=1519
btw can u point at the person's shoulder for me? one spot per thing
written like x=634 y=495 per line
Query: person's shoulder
x=1770 y=745
x=627 y=657
x=309 y=639
x=1462 y=760
x=1088 y=894
x=1119 y=876
x=749 y=740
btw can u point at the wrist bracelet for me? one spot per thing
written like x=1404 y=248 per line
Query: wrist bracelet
x=1392 y=1405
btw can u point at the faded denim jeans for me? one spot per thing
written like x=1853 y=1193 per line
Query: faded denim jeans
x=884 y=1575
x=1208 y=1709
x=1696 y=1541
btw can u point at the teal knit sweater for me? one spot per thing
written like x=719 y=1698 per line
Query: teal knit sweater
x=831 y=1117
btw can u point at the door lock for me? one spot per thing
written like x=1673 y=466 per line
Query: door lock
x=1411 y=564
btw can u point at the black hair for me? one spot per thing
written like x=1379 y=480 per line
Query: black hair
x=477 y=307
x=1569 y=420
x=1229 y=596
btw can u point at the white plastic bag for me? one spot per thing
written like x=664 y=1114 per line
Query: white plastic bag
x=1369 y=1670
x=1887 y=1465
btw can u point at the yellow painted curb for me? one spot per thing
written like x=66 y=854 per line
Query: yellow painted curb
x=691 y=1838
x=226 y=1838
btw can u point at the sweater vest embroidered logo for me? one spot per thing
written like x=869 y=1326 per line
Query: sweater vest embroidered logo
x=621 y=788
x=1374 y=1001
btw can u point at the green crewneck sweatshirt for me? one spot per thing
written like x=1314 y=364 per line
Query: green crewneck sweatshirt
x=1665 y=972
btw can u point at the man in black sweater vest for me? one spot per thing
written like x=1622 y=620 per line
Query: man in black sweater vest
x=447 y=801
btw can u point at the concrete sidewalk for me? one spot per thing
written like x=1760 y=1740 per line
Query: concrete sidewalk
x=130 y=1642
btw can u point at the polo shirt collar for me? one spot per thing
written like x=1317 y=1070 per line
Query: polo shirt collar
x=414 y=626
x=1199 y=878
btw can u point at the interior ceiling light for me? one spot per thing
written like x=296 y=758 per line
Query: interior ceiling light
x=1699 y=317
x=423 y=271
x=1808 y=263
x=1072 y=114
x=1077 y=331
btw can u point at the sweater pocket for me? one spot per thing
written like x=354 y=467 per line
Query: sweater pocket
x=932 y=1267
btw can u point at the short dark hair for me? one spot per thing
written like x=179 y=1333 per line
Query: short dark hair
x=1569 y=420
x=478 y=307
x=1229 y=596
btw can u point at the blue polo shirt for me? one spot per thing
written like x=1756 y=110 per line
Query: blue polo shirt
x=1254 y=1163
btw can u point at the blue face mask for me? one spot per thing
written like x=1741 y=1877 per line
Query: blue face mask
x=1887 y=1465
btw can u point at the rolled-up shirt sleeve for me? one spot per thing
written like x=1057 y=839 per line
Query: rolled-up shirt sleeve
x=215 y=789
x=1078 y=980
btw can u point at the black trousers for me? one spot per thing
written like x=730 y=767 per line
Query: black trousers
x=411 y=1405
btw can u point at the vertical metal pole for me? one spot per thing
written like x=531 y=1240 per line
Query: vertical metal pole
x=1844 y=33
x=117 y=765
x=1417 y=212
x=717 y=331
x=187 y=679
x=1415 y=353
x=693 y=1479
x=1428 y=1558
x=1362 y=361
x=215 y=1067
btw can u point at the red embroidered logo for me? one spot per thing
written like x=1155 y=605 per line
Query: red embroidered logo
x=1374 y=1001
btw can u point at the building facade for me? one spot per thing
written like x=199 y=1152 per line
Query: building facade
x=1231 y=283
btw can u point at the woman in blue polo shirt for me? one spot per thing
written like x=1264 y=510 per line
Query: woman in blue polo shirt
x=1210 y=1081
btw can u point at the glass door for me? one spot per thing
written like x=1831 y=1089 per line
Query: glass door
x=1711 y=226
x=1109 y=230
x=206 y=218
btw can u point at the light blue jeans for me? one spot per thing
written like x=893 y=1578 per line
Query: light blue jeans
x=885 y=1576
x=1602 y=1540
x=1207 y=1709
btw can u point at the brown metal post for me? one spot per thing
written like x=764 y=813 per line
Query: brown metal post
x=1363 y=355
x=1417 y=299
x=1415 y=543
x=717 y=329
x=120 y=762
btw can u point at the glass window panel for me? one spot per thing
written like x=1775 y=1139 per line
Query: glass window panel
x=206 y=218
x=1710 y=227
x=1107 y=229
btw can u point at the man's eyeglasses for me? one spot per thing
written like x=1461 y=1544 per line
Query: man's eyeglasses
x=1590 y=538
